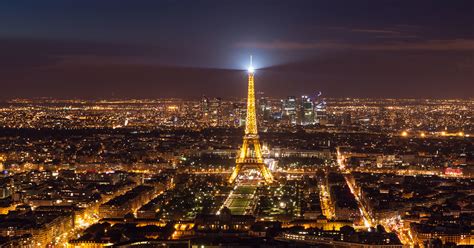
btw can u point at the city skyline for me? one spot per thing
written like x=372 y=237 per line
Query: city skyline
x=183 y=49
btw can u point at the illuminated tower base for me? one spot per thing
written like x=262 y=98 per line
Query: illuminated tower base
x=250 y=155
x=249 y=159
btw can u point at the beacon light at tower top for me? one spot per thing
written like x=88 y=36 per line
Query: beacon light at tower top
x=250 y=69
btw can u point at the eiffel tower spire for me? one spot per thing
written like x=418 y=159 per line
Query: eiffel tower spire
x=250 y=155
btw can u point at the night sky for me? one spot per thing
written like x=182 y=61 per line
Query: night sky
x=178 y=48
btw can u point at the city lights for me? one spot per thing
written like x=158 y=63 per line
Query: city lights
x=146 y=124
x=329 y=166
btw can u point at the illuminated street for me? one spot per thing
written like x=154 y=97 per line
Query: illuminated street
x=326 y=204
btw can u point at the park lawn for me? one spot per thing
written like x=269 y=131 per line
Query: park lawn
x=245 y=190
x=237 y=211
x=240 y=203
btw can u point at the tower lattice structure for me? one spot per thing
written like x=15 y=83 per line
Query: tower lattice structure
x=250 y=154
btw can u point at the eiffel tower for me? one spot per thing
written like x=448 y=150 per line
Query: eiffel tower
x=250 y=155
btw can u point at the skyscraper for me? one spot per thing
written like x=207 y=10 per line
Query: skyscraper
x=264 y=108
x=289 y=109
x=306 y=111
x=320 y=110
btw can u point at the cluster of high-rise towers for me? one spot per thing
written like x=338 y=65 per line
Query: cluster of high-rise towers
x=304 y=110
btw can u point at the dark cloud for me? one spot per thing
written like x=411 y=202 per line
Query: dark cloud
x=96 y=70
x=125 y=80
x=433 y=45
x=23 y=53
x=376 y=31
x=419 y=74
